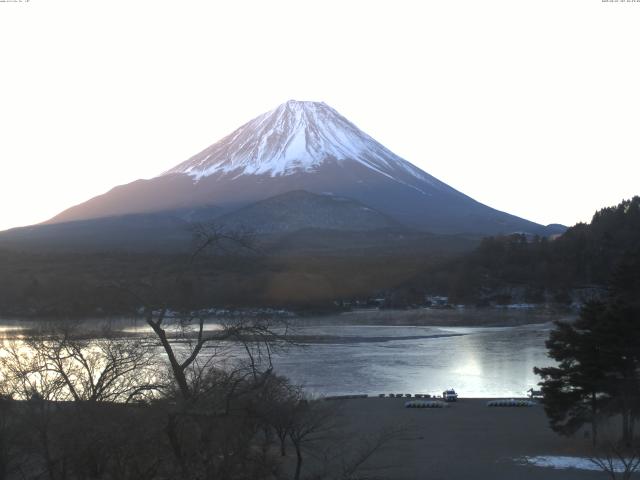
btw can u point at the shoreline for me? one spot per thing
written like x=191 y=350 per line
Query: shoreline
x=365 y=396
x=422 y=316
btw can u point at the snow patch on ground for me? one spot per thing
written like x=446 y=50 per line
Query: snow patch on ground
x=563 y=463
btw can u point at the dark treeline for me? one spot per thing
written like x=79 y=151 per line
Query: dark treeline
x=515 y=268
x=543 y=269
x=63 y=285
x=85 y=284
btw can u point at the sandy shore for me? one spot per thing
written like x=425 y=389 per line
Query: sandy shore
x=467 y=440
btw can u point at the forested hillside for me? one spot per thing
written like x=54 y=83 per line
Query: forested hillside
x=586 y=255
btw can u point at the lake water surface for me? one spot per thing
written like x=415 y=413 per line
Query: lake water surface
x=339 y=358
x=477 y=362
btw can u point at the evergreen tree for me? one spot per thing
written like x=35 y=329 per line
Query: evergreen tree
x=623 y=341
x=575 y=390
x=598 y=371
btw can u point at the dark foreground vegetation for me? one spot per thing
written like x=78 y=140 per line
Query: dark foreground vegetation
x=109 y=408
x=182 y=402
x=179 y=403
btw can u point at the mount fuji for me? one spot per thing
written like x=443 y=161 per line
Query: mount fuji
x=302 y=146
x=301 y=167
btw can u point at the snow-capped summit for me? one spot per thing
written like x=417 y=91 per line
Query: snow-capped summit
x=302 y=146
x=297 y=136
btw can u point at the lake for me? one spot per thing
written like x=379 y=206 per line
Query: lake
x=477 y=362
x=352 y=355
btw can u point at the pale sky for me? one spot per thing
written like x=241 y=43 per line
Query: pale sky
x=531 y=107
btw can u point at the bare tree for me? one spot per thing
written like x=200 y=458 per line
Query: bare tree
x=614 y=460
x=317 y=432
x=217 y=366
x=181 y=328
x=25 y=378
x=105 y=368
x=312 y=423
x=277 y=408
x=183 y=342
x=24 y=374
x=59 y=364
x=353 y=463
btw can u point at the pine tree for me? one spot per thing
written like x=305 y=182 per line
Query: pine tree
x=598 y=371
x=576 y=390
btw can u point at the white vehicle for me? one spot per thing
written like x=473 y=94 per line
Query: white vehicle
x=449 y=395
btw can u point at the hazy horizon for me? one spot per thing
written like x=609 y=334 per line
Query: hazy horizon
x=529 y=109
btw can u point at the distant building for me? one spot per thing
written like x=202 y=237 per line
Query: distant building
x=437 y=301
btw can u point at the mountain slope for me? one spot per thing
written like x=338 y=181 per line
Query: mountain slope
x=298 y=209
x=304 y=146
x=149 y=232
x=295 y=223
